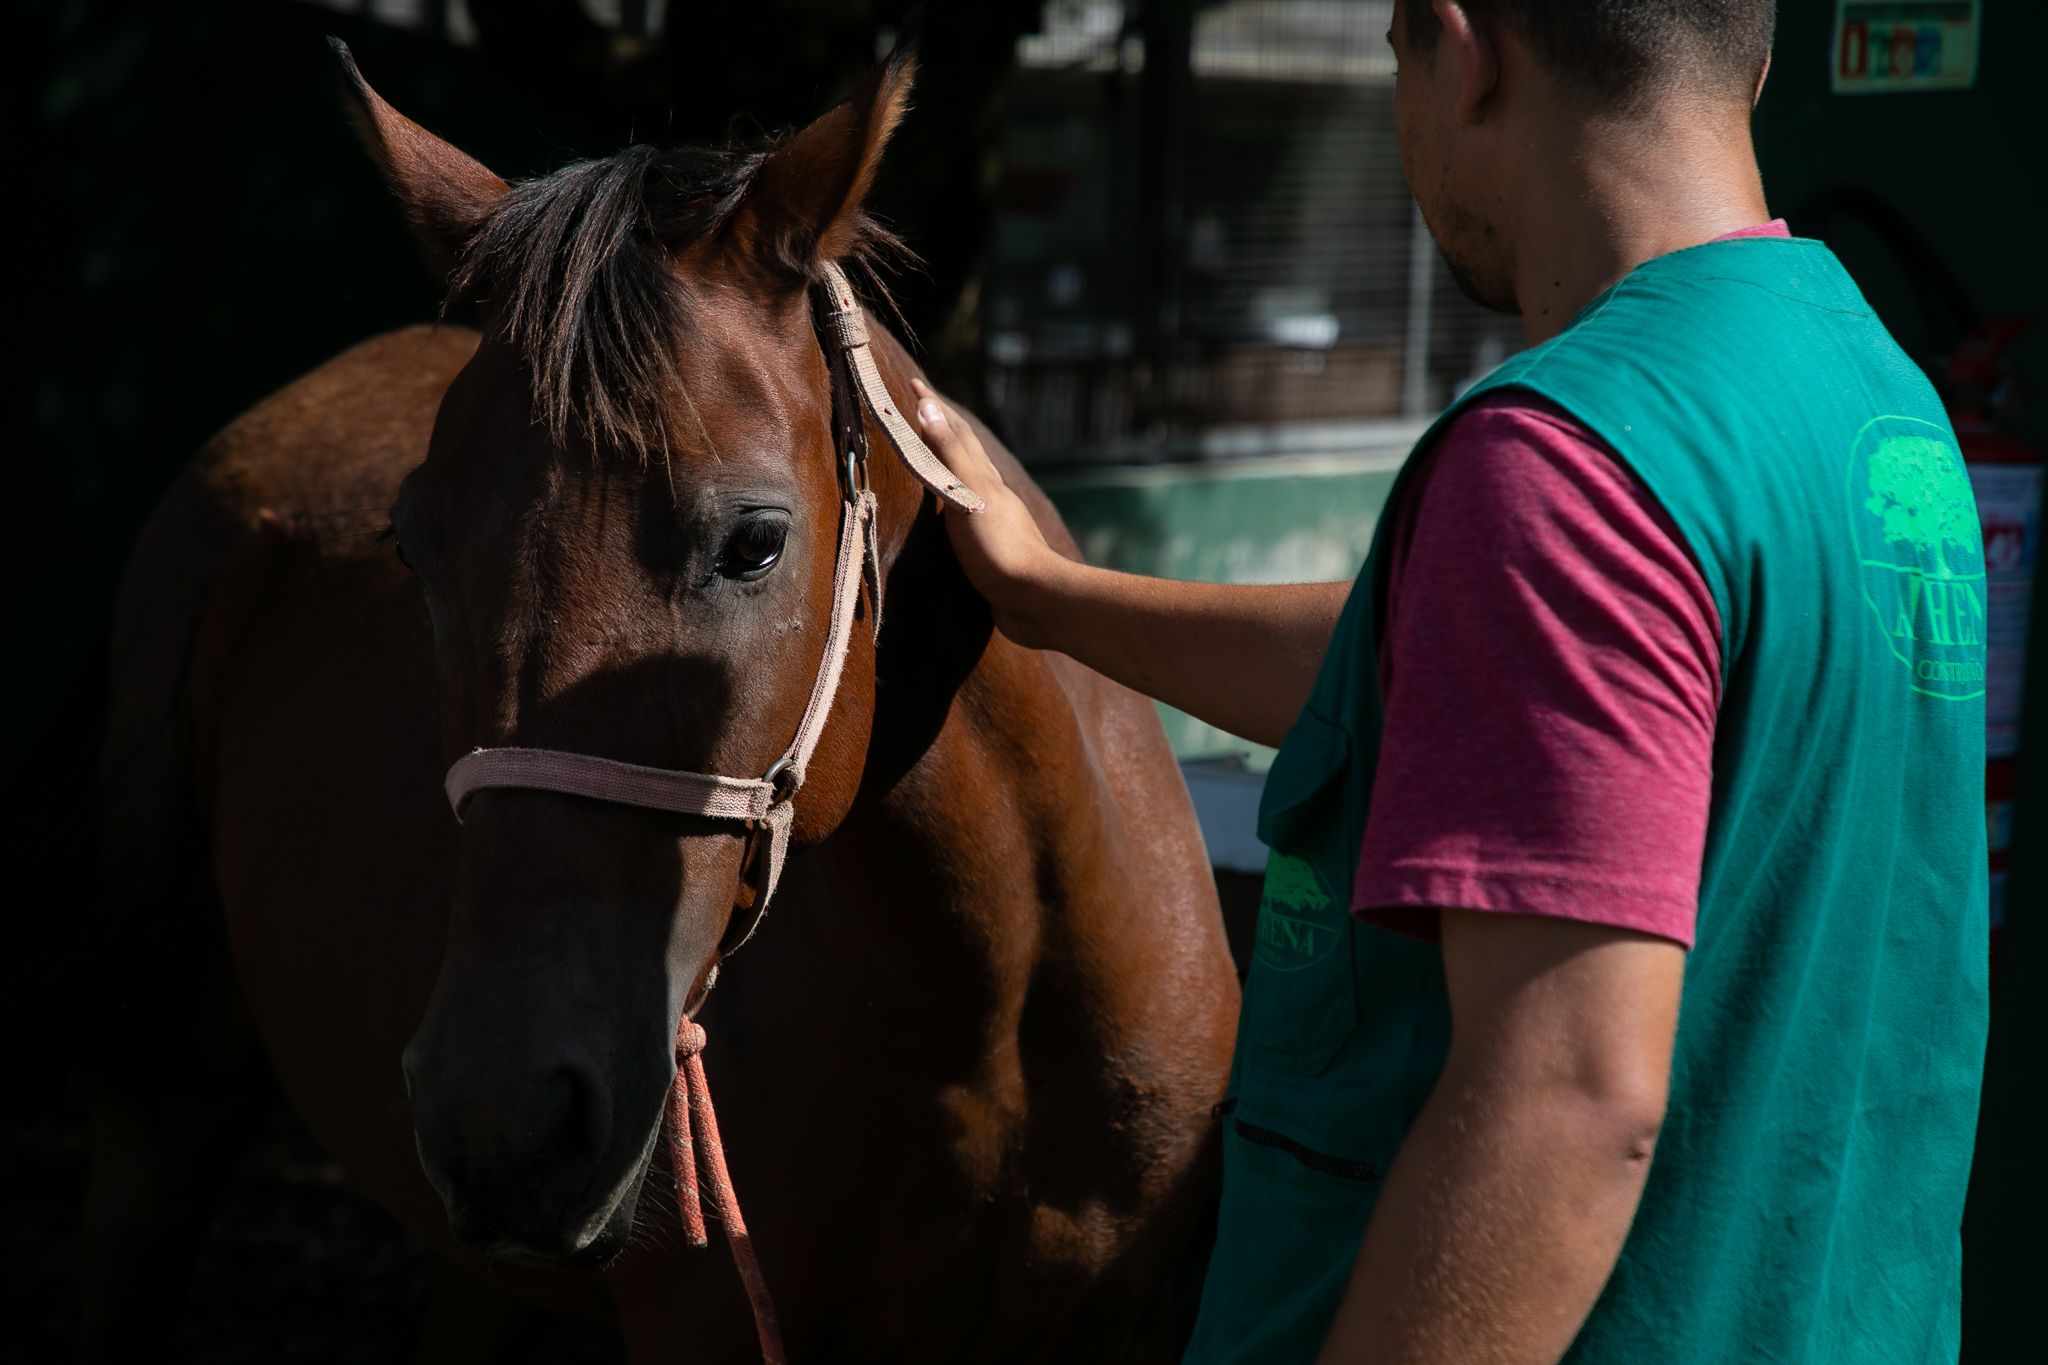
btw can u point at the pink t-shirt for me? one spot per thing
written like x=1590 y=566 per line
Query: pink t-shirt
x=1551 y=668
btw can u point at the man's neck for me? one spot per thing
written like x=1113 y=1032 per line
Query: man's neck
x=1599 y=199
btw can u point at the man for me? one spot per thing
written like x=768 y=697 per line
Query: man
x=1662 y=682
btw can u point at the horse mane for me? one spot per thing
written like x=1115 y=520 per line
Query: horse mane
x=576 y=264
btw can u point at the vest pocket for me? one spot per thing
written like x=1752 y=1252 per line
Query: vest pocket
x=1343 y=1168
x=1296 y=802
x=1300 y=1000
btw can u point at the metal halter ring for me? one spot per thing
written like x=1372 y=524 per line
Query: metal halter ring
x=785 y=767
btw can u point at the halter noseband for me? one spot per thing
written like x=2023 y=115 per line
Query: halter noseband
x=766 y=800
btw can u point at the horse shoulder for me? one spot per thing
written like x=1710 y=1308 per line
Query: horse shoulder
x=334 y=444
x=318 y=461
x=1153 y=831
x=1160 y=883
x=1134 y=925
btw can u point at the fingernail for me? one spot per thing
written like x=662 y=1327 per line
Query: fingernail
x=932 y=413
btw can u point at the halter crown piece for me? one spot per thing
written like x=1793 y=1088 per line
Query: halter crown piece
x=766 y=799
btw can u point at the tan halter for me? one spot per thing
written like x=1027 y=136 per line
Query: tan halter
x=765 y=800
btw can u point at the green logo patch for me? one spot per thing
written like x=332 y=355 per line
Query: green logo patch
x=1921 y=551
x=1299 y=921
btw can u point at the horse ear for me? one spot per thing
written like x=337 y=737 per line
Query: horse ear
x=445 y=192
x=804 y=208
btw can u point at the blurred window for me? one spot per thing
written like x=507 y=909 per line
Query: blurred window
x=1176 y=262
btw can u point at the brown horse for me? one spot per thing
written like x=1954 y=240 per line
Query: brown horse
x=966 y=1069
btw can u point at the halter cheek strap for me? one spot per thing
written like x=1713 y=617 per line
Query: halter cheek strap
x=765 y=801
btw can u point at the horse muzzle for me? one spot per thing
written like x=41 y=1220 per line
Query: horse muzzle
x=525 y=1158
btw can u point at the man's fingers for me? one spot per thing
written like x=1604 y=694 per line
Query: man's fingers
x=954 y=441
x=999 y=548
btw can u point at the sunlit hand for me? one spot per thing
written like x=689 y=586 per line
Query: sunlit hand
x=1001 y=548
x=1241 y=657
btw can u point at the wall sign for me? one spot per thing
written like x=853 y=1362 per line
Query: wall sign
x=1886 y=46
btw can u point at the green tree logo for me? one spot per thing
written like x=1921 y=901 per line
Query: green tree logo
x=1920 y=553
x=1294 y=883
x=1920 y=493
x=1299 y=922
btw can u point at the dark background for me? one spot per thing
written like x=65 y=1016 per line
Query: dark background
x=194 y=226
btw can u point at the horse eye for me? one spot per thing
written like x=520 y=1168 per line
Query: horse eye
x=390 y=533
x=753 y=547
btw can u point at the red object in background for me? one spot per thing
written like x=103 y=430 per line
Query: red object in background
x=1855 y=55
x=1998 y=825
x=2006 y=474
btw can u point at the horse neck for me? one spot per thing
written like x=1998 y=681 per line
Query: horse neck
x=1018 y=880
x=985 y=821
x=977 y=756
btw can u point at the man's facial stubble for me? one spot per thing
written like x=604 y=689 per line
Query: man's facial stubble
x=1480 y=262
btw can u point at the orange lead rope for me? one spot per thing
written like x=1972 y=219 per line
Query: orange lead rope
x=689 y=1113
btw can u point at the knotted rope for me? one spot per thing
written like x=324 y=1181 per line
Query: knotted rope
x=689 y=1114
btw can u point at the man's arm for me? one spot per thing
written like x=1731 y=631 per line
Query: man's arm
x=1242 y=658
x=1507 y=1205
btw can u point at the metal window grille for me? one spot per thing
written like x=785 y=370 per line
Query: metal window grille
x=1248 y=260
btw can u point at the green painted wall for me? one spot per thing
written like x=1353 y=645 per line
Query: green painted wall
x=1273 y=521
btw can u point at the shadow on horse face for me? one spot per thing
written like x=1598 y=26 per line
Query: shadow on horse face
x=665 y=612
x=626 y=552
x=580 y=930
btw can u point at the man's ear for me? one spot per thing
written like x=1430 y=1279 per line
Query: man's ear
x=445 y=193
x=1477 y=59
x=804 y=207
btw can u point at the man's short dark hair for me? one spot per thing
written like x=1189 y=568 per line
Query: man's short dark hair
x=1617 y=52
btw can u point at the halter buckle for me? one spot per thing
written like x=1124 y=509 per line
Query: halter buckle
x=781 y=780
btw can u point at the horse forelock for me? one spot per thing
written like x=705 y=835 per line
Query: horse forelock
x=576 y=267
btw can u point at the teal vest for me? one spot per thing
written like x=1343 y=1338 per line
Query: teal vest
x=1807 y=1193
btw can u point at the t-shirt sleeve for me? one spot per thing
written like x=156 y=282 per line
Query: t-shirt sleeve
x=1551 y=675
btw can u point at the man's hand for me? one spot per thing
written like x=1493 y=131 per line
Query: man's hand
x=1000 y=547
x=1507 y=1205
x=1241 y=658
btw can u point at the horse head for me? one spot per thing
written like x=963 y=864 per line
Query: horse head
x=626 y=532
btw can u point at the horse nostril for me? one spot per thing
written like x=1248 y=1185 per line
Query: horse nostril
x=486 y=1131
x=409 y=1066
x=572 y=1127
